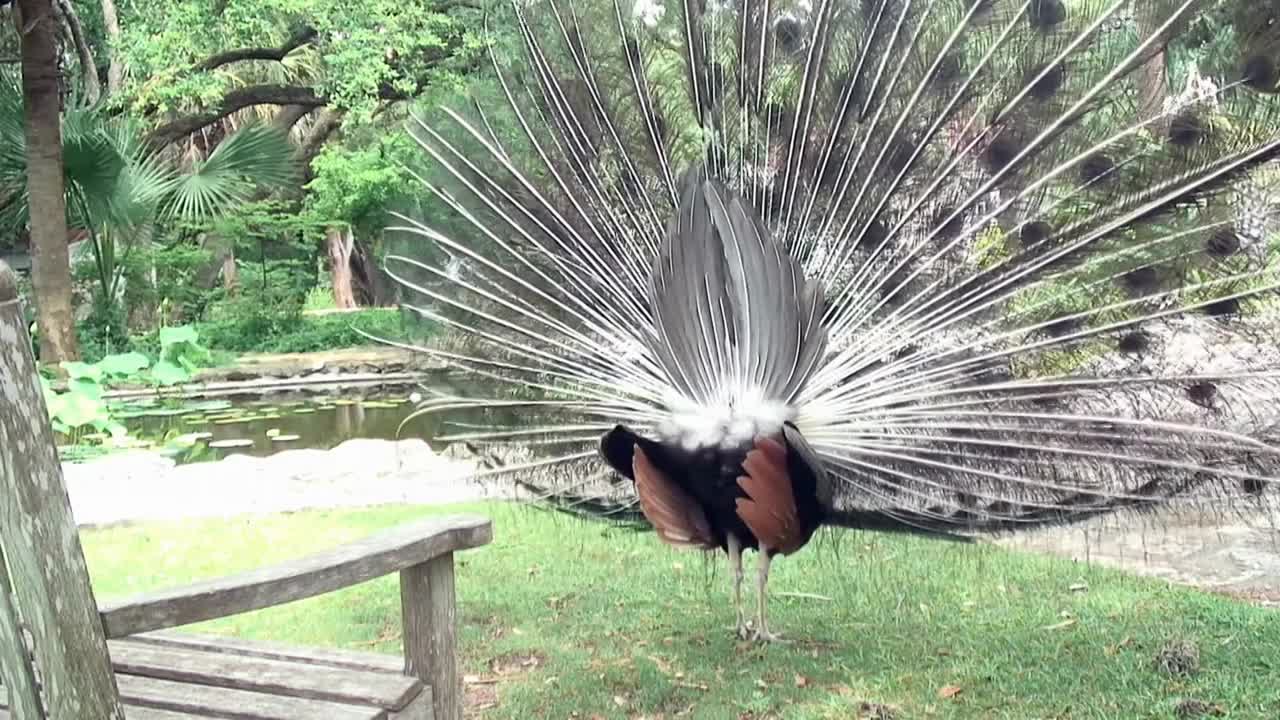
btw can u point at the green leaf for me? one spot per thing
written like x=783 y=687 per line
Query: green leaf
x=86 y=387
x=178 y=334
x=257 y=155
x=80 y=409
x=167 y=373
x=124 y=364
x=77 y=370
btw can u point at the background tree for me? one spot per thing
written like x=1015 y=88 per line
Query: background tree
x=38 y=28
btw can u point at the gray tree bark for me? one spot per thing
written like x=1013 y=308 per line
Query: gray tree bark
x=341 y=246
x=115 y=69
x=50 y=589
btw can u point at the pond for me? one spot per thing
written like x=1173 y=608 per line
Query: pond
x=201 y=430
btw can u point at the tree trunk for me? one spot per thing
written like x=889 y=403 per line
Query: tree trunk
x=230 y=275
x=88 y=66
x=341 y=245
x=115 y=70
x=50 y=587
x=1152 y=77
x=50 y=261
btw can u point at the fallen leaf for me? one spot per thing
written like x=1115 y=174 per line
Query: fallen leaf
x=1060 y=626
x=949 y=691
x=760 y=683
x=802 y=681
x=619 y=700
x=1079 y=587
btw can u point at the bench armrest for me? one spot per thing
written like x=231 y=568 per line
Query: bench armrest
x=395 y=550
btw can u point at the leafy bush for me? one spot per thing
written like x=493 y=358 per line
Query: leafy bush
x=259 y=331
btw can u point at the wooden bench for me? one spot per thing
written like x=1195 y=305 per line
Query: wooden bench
x=62 y=657
x=169 y=675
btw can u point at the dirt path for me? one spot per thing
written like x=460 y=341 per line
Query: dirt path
x=1231 y=554
x=143 y=486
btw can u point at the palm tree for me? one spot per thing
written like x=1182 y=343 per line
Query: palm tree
x=40 y=134
x=117 y=188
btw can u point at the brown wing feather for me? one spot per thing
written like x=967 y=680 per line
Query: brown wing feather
x=672 y=512
x=769 y=511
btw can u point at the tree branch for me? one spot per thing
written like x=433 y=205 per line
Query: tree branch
x=328 y=123
x=88 y=67
x=234 y=101
x=289 y=115
x=299 y=38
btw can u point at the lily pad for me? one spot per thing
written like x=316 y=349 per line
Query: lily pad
x=285 y=438
x=209 y=405
x=304 y=411
x=222 y=444
x=190 y=438
x=151 y=412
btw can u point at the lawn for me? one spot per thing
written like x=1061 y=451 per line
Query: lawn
x=564 y=619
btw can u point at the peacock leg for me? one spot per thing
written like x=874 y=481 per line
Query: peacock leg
x=762 y=633
x=735 y=565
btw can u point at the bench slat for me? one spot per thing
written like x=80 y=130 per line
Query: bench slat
x=332 y=657
x=133 y=712
x=221 y=702
x=373 y=557
x=315 y=682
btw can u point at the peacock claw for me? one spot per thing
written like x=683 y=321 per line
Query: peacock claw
x=764 y=637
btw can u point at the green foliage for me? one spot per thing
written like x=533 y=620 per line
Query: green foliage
x=362 y=52
x=355 y=185
x=319 y=297
x=250 y=330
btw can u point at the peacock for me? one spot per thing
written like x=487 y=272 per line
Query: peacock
x=740 y=270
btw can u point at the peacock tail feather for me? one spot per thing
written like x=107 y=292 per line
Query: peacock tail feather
x=999 y=262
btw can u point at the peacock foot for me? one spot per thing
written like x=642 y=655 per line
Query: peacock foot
x=764 y=637
x=742 y=630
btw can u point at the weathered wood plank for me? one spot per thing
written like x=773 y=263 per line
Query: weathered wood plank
x=419 y=709
x=351 y=564
x=427 y=602
x=314 y=682
x=229 y=703
x=15 y=662
x=133 y=712
x=332 y=657
x=50 y=580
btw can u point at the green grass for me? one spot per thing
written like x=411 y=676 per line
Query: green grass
x=583 y=620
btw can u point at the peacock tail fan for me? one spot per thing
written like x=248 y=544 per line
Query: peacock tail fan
x=1033 y=249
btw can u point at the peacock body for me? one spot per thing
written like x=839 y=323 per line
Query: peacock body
x=908 y=265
